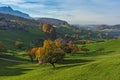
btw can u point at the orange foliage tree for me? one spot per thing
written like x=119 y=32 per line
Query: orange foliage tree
x=31 y=53
x=49 y=53
x=38 y=52
x=48 y=29
x=52 y=51
x=61 y=43
x=49 y=45
x=74 y=48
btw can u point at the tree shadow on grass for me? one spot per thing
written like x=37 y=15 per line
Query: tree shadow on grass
x=69 y=66
x=10 y=69
x=95 y=53
x=110 y=51
x=16 y=57
x=73 y=62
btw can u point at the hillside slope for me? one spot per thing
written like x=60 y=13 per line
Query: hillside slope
x=72 y=68
x=13 y=28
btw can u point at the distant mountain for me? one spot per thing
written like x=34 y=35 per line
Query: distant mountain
x=14 y=28
x=9 y=10
x=52 y=21
x=109 y=28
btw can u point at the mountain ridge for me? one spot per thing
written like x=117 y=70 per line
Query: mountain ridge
x=52 y=21
x=9 y=10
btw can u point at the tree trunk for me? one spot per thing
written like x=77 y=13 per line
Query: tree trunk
x=52 y=65
x=31 y=58
x=39 y=61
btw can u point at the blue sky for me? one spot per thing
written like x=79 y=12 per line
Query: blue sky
x=73 y=11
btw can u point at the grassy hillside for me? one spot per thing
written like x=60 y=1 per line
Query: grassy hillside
x=8 y=37
x=77 y=67
x=13 y=28
x=110 y=46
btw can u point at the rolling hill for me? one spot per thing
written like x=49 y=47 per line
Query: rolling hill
x=13 y=28
x=77 y=67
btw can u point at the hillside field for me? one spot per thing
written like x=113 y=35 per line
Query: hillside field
x=93 y=65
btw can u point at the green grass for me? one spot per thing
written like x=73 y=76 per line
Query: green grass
x=9 y=37
x=95 y=66
x=111 y=47
x=108 y=45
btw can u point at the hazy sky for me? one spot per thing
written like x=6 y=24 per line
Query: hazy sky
x=73 y=11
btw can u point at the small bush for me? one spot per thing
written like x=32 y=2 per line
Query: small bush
x=100 y=40
x=100 y=49
x=19 y=44
x=83 y=48
x=2 y=47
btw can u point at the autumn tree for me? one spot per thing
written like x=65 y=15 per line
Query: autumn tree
x=48 y=46
x=53 y=56
x=48 y=29
x=2 y=47
x=118 y=37
x=73 y=47
x=49 y=53
x=66 y=46
x=19 y=44
x=61 y=43
x=31 y=53
x=39 y=53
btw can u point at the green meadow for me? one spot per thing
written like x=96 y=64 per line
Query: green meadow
x=93 y=65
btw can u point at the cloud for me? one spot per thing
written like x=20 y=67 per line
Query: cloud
x=74 y=11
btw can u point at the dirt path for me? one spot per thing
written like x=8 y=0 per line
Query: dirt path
x=16 y=61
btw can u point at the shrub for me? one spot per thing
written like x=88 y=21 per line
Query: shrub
x=2 y=47
x=100 y=40
x=83 y=48
x=19 y=44
x=100 y=49
x=74 y=48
